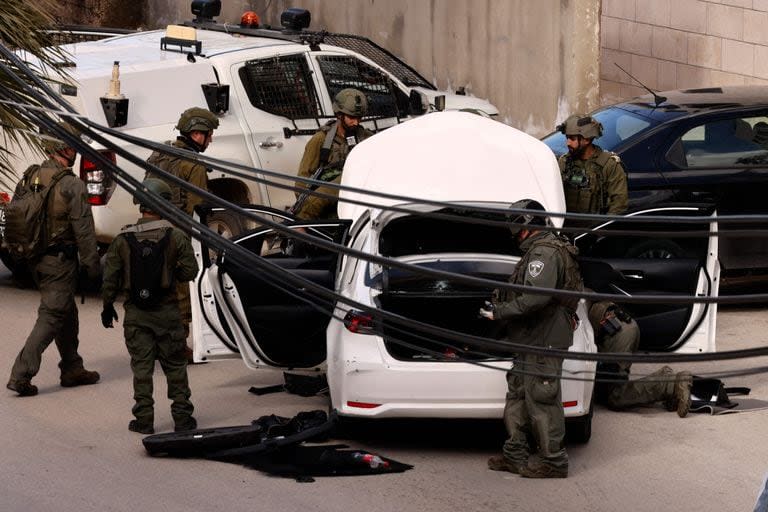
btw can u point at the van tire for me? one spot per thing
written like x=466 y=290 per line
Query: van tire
x=225 y=224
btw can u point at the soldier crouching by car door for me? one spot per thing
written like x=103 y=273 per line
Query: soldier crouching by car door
x=145 y=261
x=533 y=413
x=617 y=332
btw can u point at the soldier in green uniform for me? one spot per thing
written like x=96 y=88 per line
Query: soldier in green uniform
x=69 y=231
x=534 y=407
x=617 y=332
x=196 y=126
x=594 y=180
x=326 y=152
x=152 y=325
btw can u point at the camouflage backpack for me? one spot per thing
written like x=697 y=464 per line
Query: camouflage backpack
x=26 y=216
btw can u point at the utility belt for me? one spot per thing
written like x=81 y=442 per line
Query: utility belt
x=67 y=251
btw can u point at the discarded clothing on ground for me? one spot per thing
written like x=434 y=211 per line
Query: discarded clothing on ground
x=273 y=444
x=713 y=397
x=303 y=462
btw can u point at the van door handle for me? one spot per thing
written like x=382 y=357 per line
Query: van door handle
x=635 y=275
x=270 y=143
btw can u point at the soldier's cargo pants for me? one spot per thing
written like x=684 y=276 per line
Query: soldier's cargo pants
x=56 y=278
x=157 y=335
x=534 y=411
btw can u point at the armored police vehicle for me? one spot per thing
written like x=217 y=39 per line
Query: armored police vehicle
x=271 y=87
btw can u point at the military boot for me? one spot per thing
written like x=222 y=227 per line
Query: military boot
x=499 y=463
x=541 y=470
x=141 y=427
x=79 y=377
x=683 y=384
x=184 y=425
x=22 y=387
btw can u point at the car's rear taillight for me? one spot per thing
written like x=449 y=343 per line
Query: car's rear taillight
x=5 y=197
x=359 y=322
x=97 y=181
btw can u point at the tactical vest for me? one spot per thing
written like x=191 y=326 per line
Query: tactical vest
x=179 y=167
x=153 y=231
x=335 y=150
x=584 y=182
x=572 y=280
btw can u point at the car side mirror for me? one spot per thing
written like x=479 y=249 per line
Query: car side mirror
x=417 y=103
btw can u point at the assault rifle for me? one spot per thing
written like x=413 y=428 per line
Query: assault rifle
x=299 y=204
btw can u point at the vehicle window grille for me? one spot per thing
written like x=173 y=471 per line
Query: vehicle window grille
x=380 y=56
x=281 y=86
x=68 y=34
x=343 y=72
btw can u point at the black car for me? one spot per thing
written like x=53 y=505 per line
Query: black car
x=695 y=146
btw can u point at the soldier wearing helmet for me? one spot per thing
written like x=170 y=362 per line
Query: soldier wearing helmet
x=326 y=152
x=196 y=126
x=617 y=332
x=594 y=180
x=152 y=325
x=69 y=233
x=534 y=405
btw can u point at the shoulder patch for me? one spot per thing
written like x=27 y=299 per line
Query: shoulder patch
x=535 y=267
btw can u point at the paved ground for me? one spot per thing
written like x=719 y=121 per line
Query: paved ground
x=70 y=450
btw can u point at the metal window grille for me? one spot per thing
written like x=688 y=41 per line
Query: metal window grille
x=344 y=72
x=380 y=56
x=281 y=86
x=68 y=34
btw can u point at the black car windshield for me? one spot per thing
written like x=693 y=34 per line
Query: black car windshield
x=619 y=126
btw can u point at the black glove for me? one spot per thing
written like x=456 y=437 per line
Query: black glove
x=108 y=314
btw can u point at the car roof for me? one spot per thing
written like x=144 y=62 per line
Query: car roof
x=682 y=101
x=452 y=157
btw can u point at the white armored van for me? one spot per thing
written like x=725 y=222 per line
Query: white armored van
x=271 y=88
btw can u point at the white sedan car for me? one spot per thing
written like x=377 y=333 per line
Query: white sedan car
x=379 y=366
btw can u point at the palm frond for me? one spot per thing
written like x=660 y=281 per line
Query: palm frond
x=24 y=27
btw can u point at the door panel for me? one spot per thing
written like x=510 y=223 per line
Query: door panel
x=249 y=311
x=281 y=106
x=634 y=265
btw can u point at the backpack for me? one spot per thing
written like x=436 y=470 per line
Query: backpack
x=147 y=260
x=26 y=216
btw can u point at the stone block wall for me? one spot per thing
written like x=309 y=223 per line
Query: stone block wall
x=679 y=44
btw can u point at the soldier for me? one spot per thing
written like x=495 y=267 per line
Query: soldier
x=617 y=332
x=326 y=152
x=196 y=126
x=69 y=231
x=145 y=261
x=534 y=407
x=594 y=180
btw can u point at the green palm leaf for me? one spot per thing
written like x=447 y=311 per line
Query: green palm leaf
x=23 y=27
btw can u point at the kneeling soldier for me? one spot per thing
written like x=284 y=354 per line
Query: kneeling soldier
x=146 y=260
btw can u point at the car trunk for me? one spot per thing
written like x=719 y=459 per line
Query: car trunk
x=453 y=246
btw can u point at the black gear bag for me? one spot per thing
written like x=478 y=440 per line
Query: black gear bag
x=146 y=272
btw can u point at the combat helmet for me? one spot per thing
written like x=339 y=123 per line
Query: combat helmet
x=519 y=221
x=197 y=119
x=52 y=143
x=157 y=186
x=351 y=102
x=586 y=126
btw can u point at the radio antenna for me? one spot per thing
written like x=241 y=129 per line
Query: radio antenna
x=657 y=98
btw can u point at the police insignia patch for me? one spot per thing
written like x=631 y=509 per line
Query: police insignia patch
x=535 y=267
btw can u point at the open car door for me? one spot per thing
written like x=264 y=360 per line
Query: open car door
x=252 y=311
x=636 y=266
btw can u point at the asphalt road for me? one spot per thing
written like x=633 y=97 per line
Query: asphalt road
x=70 y=450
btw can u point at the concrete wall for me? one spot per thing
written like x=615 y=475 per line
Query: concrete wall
x=535 y=64
x=675 y=44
